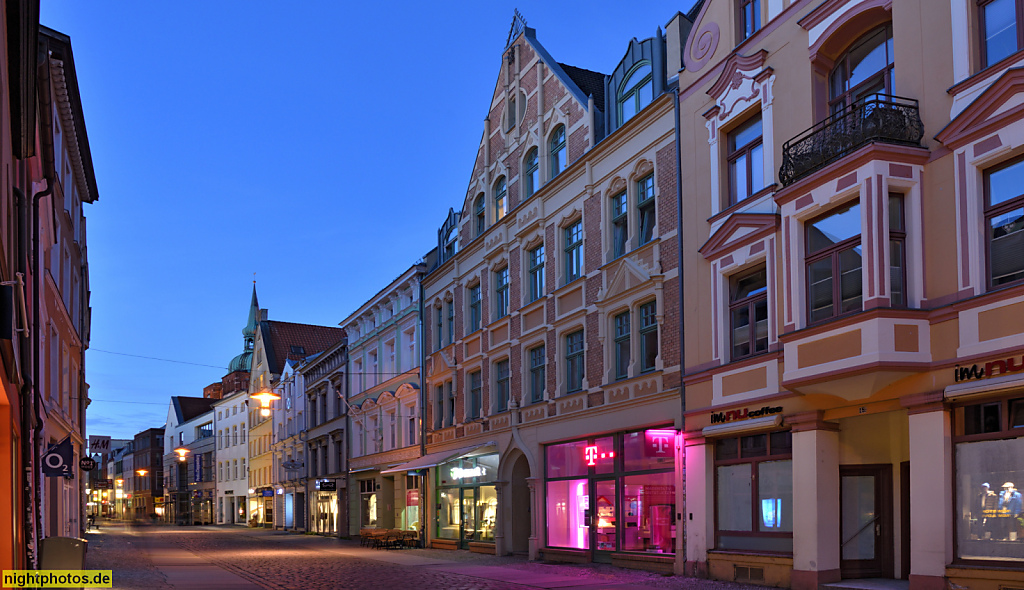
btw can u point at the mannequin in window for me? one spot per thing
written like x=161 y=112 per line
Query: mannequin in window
x=989 y=501
x=1009 y=509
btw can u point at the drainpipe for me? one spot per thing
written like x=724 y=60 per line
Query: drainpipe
x=37 y=429
x=423 y=415
x=682 y=284
x=26 y=397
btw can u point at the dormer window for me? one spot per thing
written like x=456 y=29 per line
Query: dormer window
x=636 y=92
x=451 y=243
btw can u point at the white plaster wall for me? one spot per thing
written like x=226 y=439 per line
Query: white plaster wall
x=816 y=491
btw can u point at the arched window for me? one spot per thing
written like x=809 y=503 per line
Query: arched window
x=636 y=92
x=558 y=151
x=865 y=70
x=500 y=201
x=480 y=214
x=532 y=173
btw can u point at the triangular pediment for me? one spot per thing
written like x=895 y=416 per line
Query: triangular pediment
x=738 y=230
x=627 y=275
x=993 y=108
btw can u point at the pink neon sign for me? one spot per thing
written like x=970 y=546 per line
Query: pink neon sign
x=593 y=453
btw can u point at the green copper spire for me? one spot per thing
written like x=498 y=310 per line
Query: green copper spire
x=243 y=361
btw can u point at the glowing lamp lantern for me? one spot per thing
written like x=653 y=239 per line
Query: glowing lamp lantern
x=265 y=397
x=142 y=472
x=182 y=452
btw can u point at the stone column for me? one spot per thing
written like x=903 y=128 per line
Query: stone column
x=816 y=491
x=699 y=517
x=537 y=522
x=931 y=491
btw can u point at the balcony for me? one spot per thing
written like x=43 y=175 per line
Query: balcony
x=888 y=119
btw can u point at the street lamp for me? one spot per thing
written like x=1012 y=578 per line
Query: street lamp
x=142 y=472
x=182 y=452
x=265 y=397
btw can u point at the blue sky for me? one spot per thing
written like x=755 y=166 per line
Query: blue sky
x=318 y=145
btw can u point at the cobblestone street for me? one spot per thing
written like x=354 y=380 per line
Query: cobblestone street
x=234 y=558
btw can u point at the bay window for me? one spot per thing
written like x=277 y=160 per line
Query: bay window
x=834 y=282
x=1004 y=223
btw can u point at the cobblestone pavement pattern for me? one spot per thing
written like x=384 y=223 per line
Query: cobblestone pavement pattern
x=276 y=560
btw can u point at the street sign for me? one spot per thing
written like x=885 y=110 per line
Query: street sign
x=102 y=484
x=99 y=444
x=57 y=460
x=87 y=463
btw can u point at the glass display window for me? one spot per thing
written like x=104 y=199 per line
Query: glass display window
x=467 y=506
x=754 y=492
x=989 y=468
x=613 y=492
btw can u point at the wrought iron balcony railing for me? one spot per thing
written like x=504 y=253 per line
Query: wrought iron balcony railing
x=888 y=119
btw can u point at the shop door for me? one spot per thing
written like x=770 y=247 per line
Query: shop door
x=865 y=521
x=603 y=526
x=469 y=525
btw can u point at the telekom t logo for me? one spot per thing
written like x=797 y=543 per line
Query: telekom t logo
x=590 y=453
x=659 y=442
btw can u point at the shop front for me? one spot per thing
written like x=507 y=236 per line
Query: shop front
x=612 y=495
x=261 y=507
x=325 y=507
x=467 y=500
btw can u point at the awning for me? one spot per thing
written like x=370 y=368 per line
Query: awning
x=435 y=459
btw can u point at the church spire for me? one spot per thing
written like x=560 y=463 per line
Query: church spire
x=249 y=331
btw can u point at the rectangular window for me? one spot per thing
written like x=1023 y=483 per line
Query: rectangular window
x=500 y=401
x=438 y=406
x=1000 y=30
x=746 y=160
x=511 y=113
x=988 y=442
x=568 y=513
x=440 y=331
x=622 y=345
x=451 y=322
x=750 y=17
x=897 y=252
x=1004 y=223
x=479 y=210
x=474 y=308
x=574 y=362
x=754 y=492
x=648 y=336
x=536 y=273
x=573 y=252
x=449 y=417
x=537 y=378
x=475 y=385
x=501 y=293
x=834 y=264
x=645 y=208
x=748 y=313
x=620 y=227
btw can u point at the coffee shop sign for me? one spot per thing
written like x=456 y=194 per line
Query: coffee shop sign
x=744 y=414
x=462 y=473
x=991 y=369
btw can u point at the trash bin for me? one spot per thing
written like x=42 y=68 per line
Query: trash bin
x=62 y=553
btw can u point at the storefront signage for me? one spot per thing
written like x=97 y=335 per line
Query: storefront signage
x=462 y=473
x=991 y=369
x=267 y=493
x=659 y=443
x=87 y=463
x=744 y=414
x=593 y=453
x=197 y=467
x=327 y=485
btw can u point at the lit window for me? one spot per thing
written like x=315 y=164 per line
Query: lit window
x=500 y=200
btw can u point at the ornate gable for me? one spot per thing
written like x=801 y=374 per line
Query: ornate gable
x=740 y=82
x=627 y=275
x=1000 y=104
x=739 y=230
